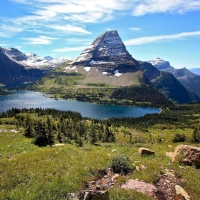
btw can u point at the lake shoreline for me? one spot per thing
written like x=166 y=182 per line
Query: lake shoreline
x=30 y=99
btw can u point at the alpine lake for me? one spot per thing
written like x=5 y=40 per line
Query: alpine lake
x=29 y=99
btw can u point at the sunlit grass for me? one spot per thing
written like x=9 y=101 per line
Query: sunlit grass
x=31 y=172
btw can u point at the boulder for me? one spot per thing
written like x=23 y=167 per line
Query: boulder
x=145 y=151
x=182 y=192
x=140 y=186
x=189 y=155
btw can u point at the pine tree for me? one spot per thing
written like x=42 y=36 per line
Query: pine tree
x=196 y=135
x=28 y=132
x=40 y=134
x=49 y=132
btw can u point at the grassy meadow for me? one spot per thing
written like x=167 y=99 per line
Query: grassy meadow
x=31 y=172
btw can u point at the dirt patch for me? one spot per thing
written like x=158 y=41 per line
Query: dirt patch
x=166 y=185
x=104 y=180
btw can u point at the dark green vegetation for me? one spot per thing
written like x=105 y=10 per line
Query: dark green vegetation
x=29 y=171
x=49 y=126
x=73 y=85
x=167 y=84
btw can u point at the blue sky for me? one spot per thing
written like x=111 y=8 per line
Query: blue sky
x=149 y=28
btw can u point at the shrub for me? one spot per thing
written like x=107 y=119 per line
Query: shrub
x=179 y=138
x=120 y=164
x=196 y=135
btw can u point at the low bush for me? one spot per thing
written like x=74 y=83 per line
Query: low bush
x=179 y=138
x=120 y=164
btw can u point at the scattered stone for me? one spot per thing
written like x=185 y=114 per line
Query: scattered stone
x=57 y=145
x=169 y=146
x=166 y=186
x=114 y=150
x=137 y=168
x=182 y=192
x=115 y=177
x=189 y=155
x=143 y=167
x=84 y=195
x=145 y=151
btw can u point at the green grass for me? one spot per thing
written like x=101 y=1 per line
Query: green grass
x=31 y=172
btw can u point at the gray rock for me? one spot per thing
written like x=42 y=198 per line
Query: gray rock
x=145 y=151
x=107 y=52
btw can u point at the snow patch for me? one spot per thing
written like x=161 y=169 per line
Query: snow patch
x=117 y=73
x=71 y=68
x=87 y=69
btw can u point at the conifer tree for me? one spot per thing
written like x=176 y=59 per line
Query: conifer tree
x=28 y=132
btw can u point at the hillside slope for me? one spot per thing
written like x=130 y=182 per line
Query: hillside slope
x=189 y=80
x=167 y=84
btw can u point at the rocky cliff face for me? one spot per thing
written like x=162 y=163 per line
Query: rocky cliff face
x=108 y=53
x=188 y=79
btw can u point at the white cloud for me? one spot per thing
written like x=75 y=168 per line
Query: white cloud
x=7 y=31
x=70 y=49
x=39 y=40
x=161 y=6
x=151 y=39
x=134 y=28
x=55 y=14
x=70 y=29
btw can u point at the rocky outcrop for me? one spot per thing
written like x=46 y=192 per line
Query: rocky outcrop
x=108 y=53
x=188 y=155
x=140 y=186
x=145 y=151
x=84 y=195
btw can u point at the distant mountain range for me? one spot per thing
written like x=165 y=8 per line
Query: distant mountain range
x=104 y=66
x=195 y=71
x=190 y=80
x=17 y=68
x=107 y=64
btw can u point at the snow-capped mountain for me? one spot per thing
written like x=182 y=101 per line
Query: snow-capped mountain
x=160 y=64
x=31 y=59
x=17 y=68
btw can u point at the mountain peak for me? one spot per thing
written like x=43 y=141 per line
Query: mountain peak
x=108 y=50
x=160 y=64
x=14 y=54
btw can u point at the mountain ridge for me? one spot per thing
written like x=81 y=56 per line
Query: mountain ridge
x=17 y=68
x=106 y=65
x=188 y=79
